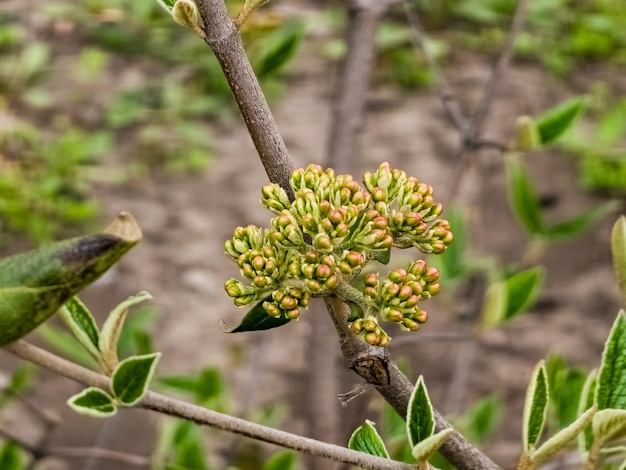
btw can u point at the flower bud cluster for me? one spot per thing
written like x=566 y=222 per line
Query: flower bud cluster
x=372 y=332
x=321 y=240
x=412 y=213
x=286 y=302
x=398 y=296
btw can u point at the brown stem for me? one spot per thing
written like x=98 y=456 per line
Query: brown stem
x=202 y=416
x=224 y=39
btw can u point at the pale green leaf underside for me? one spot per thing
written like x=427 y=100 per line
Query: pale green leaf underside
x=167 y=4
x=366 y=439
x=618 y=247
x=93 y=402
x=535 y=407
x=425 y=449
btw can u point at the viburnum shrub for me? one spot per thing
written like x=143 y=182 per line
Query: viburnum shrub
x=320 y=242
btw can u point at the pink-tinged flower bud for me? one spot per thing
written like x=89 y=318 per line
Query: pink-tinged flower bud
x=345 y=195
x=331 y=282
x=244 y=300
x=378 y=195
x=371 y=215
x=411 y=301
x=405 y=292
x=350 y=212
x=420 y=229
x=384 y=340
x=357 y=326
x=283 y=220
x=272 y=309
x=268 y=191
x=431 y=274
x=410 y=324
x=309 y=223
x=421 y=316
x=436 y=210
x=416 y=287
x=327 y=260
x=391 y=290
x=258 y=263
x=398 y=174
x=423 y=189
x=326 y=225
x=277 y=237
x=344 y=267
x=370 y=292
x=288 y=303
x=322 y=271
x=372 y=338
x=386 y=242
x=381 y=207
x=323 y=242
x=417 y=267
x=415 y=200
x=411 y=184
x=293 y=314
x=268 y=251
x=397 y=219
x=413 y=219
x=370 y=325
x=361 y=198
x=394 y=315
x=240 y=233
x=428 y=201
x=438 y=247
x=380 y=223
x=398 y=275
x=449 y=238
x=313 y=285
x=335 y=216
x=355 y=259
x=260 y=281
x=371 y=279
x=433 y=289
x=308 y=270
x=342 y=230
x=325 y=207
x=295 y=293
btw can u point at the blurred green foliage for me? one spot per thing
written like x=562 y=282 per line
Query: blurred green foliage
x=117 y=91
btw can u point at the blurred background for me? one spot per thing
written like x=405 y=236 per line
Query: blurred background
x=108 y=105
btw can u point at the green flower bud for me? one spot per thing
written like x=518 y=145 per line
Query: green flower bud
x=370 y=325
x=322 y=271
x=391 y=290
x=325 y=208
x=357 y=326
x=309 y=270
x=258 y=263
x=410 y=324
x=248 y=271
x=344 y=267
x=342 y=230
x=261 y=281
x=311 y=257
x=370 y=292
x=405 y=292
x=393 y=315
x=417 y=267
x=323 y=242
x=313 y=285
x=244 y=300
x=384 y=340
x=294 y=269
x=411 y=301
x=232 y=288
x=327 y=260
x=272 y=309
x=380 y=223
x=306 y=298
x=378 y=195
x=431 y=274
x=293 y=314
x=309 y=223
x=331 y=282
x=398 y=275
x=433 y=289
x=278 y=295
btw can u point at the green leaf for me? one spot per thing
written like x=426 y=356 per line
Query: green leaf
x=112 y=329
x=577 y=225
x=93 y=402
x=587 y=400
x=81 y=322
x=182 y=383
x=611 y=385
x=366 y=439
x=618 y=248
x=384 y=256
x=425 y=449
x=22 y=378
x=282 y=50
x=187 y=448
x=522 y=196
x=535 y=407
x=167 y=4
x=34 y=285
x=209 y=385
x=565 y=395
x=557 y=442
x=554 y=122
x=609 y=425
x=131 y=378
x=481 y=420
x=527 y=135
x=10 y=458
x=521 y=291
x=285 y=460
x=420 y=422
x=255 y=320
x=494 y=305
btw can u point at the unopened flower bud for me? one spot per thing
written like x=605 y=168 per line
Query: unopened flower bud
x=357 y=326
x=370 y=292
x=327 y=260
x=344 y=267
x=272 y=309
x=331 y=282
x=354 y=258
x=384 y=340
x=410 y=324
x=322 y=271
x=243 y=300
x=308 y=270
x=323 y=242
x=433 y=289
x=398 y=275
x=371 y=279
x=293 y=314
x=288 y=303
x=431 y=274
x=313 y=285
x=393 y=315
x=405 y=292
x=417 y=267
x=372 y=338
x=421 y=316
x=370 y=325
x=260 y=281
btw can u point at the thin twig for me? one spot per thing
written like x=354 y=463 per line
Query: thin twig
x=202 y=416
x=446 y=96
x=479 y=115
